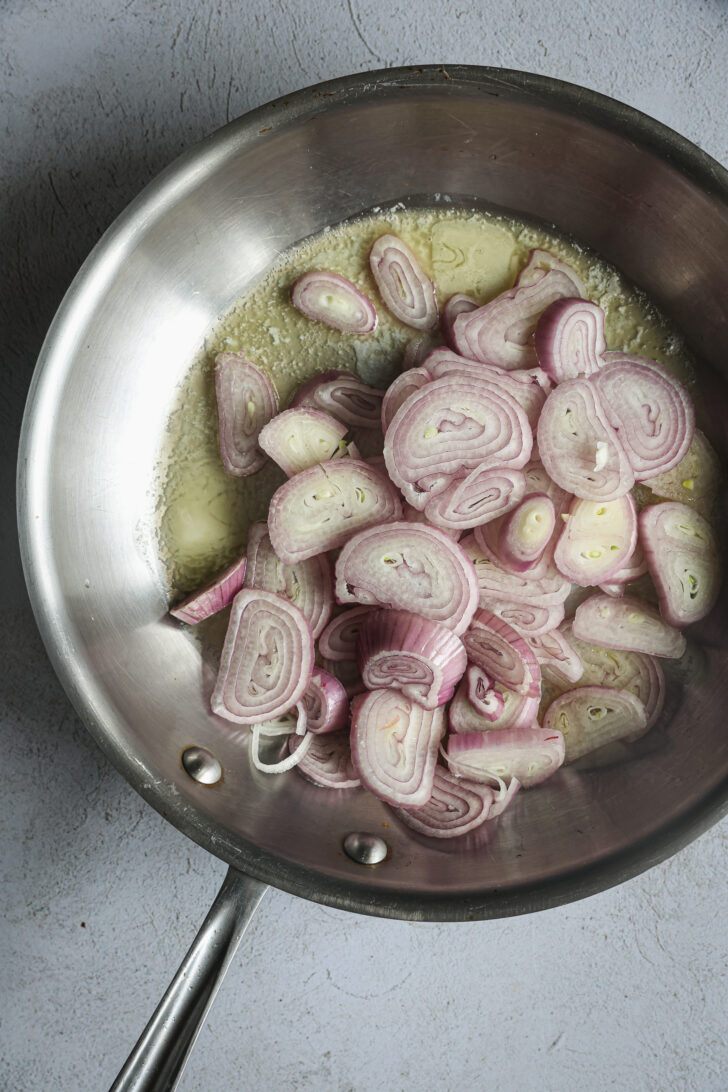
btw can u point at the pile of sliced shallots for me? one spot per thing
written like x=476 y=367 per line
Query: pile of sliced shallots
x=392 y=602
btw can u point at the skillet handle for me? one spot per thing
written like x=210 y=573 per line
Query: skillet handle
x=156 y=1062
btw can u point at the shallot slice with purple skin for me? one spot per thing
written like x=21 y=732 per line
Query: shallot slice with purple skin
x=327 y=762
x=394 y=746
x=405 y=289
x=528 y=619
x=246 y=401
x=456 y=807
x=448 y=428
x=322 y=507
x=684 y=561
x=636 y=672
x=578 y=447
x=483 y=697
x=459 y=304
x=516 y=711
x=553 y=650
x=569 y=339
x=399 y=391
x=347 y=673
x=409 y=566
x=529 y=755
x=267 y=659
x=589 y=717
x=526 y=531
x=331 y=299
x=597 y=540
x=402 y=651
x=650 y=410
x=482 y=495
x=503 y=654
x=213 y=597
x=414 y=515
x=301 y=437
x=696 y=478
x=538 y=481
x=338 y=640
x=634 y=567
x=528 y=386
x=628 y=624
x=325 y=702
x=541 y=586
x=308 y=584
x=344 y=396
x=543 y=261
x=502 y=331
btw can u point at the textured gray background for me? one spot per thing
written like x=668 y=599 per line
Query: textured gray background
x=627 y=990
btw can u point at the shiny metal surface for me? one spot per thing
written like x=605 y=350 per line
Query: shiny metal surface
x=156 y=1062
x=365 y=849
x=202 y=766
x=120 y=346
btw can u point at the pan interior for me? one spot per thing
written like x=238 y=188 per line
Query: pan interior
x=112 y=368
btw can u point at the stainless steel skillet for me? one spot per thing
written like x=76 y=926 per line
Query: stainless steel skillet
x=124 y=339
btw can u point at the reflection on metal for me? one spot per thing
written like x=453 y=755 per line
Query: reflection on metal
x=366 y=849
x=201 y=765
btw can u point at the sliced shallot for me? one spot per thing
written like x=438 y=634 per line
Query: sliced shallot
x=543 y=261
x=330 y=298
x=634 y=567
x=554 y=651
x=628 y=624
x=501 y=332
x=403 y=651
x=502 y=654
x=394 y=746
x=516 y=711
x=484 y=698
x=589 y=717
x=448 y=428
x=327 y=761
x=650 y=410
x=526 y=531
x=528 y=754
x=696 y=478
x=338 y=640
x=459 y=304
x=597 y=540
x=325 y=702
x=399 y=391
x=578 y=447
x=528 y=386
x=684 y=561
x=540 y=586
x=301 y=437
x=322 y=507
x=409 y=566
x=569 y=339
x=406 y=290
x=246 y=401
x=213 y=597
x=456 y=807
x=344 y=396
x=267 y=658
x=480 y=496
x=308 y=584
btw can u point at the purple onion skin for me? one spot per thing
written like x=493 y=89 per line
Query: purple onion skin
x=326 y=703
x=338 y=640
x=406 y=290
x=283 y=626
x=309 y=287
x=503 y=654
x=238 y=385
x=650 y=410
x=501 y=332
x=543 y=261
x=459 y=304
x=327 y=763
x=569 y=339
x=212 y=598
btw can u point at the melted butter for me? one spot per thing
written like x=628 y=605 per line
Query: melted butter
x=204 y=515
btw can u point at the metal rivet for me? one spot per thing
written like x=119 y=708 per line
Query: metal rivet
x=366 y=849
x=201 y=765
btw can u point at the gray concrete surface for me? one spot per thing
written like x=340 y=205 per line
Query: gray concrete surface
x=627 y=990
